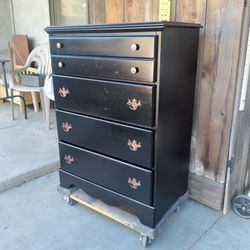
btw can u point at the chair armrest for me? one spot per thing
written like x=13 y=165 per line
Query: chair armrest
x=18 y=70
x=13 y=75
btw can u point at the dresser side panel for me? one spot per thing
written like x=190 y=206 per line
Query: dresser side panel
x=178 y=63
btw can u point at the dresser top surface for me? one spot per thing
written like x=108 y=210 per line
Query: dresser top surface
x=143 y=26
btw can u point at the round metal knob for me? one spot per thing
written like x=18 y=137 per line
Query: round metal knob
x=134 y=70
x=134 y=47
x=59 y=45
x=60 y=64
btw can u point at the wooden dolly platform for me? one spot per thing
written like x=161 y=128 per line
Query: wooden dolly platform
x=147 y=234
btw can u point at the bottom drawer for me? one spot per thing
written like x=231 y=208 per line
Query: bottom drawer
x=126 y=179
x=145 y=213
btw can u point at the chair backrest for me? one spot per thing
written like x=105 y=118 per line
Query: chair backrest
x=40 y=55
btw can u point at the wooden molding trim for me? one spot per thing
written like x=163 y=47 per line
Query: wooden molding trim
x=205 y=191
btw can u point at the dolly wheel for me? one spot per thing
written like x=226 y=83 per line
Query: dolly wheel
x=69 y=201
x=241 y=206
x=145 y=240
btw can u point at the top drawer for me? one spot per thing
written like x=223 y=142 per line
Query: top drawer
x=141 y=47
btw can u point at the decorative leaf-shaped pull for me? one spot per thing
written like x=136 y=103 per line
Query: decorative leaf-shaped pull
x=63 y=92
x=134 y=183
x=134 y=104
x=134 y=145
x=66 y=126
x=69 y=159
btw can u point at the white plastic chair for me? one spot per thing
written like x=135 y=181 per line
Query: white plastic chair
x=41 y=56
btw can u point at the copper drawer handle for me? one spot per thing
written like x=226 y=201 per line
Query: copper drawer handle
x=134 y=104
x=68 y=159
x=134 y=70
x=134 y=47
x=63 y=92
x=66 y=126
x=134 y=145
x=134 y=183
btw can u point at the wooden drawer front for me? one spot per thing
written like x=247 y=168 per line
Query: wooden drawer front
x=144 y=212
x=143 y=47
x=118 y=176
x=104 y=68
x=123 y=142
x=124 y=102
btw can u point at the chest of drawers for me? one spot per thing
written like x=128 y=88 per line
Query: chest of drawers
x=124 y=96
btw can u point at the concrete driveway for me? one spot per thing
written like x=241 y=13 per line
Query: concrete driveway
x=34 y=216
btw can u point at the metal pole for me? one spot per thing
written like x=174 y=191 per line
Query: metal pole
x=5 y=78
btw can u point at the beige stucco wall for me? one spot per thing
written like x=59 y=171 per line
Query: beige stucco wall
x=30 y=17
x=5 y=24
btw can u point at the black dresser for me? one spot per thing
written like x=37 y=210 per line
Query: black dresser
x=124 y=96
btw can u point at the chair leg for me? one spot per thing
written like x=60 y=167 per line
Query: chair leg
x=24 y=106
x=35 y=101
x=12 y=104
x=47 y=110
x=45 y=107
x=21 y=105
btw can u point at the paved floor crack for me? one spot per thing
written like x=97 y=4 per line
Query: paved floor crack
x=204 y=233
